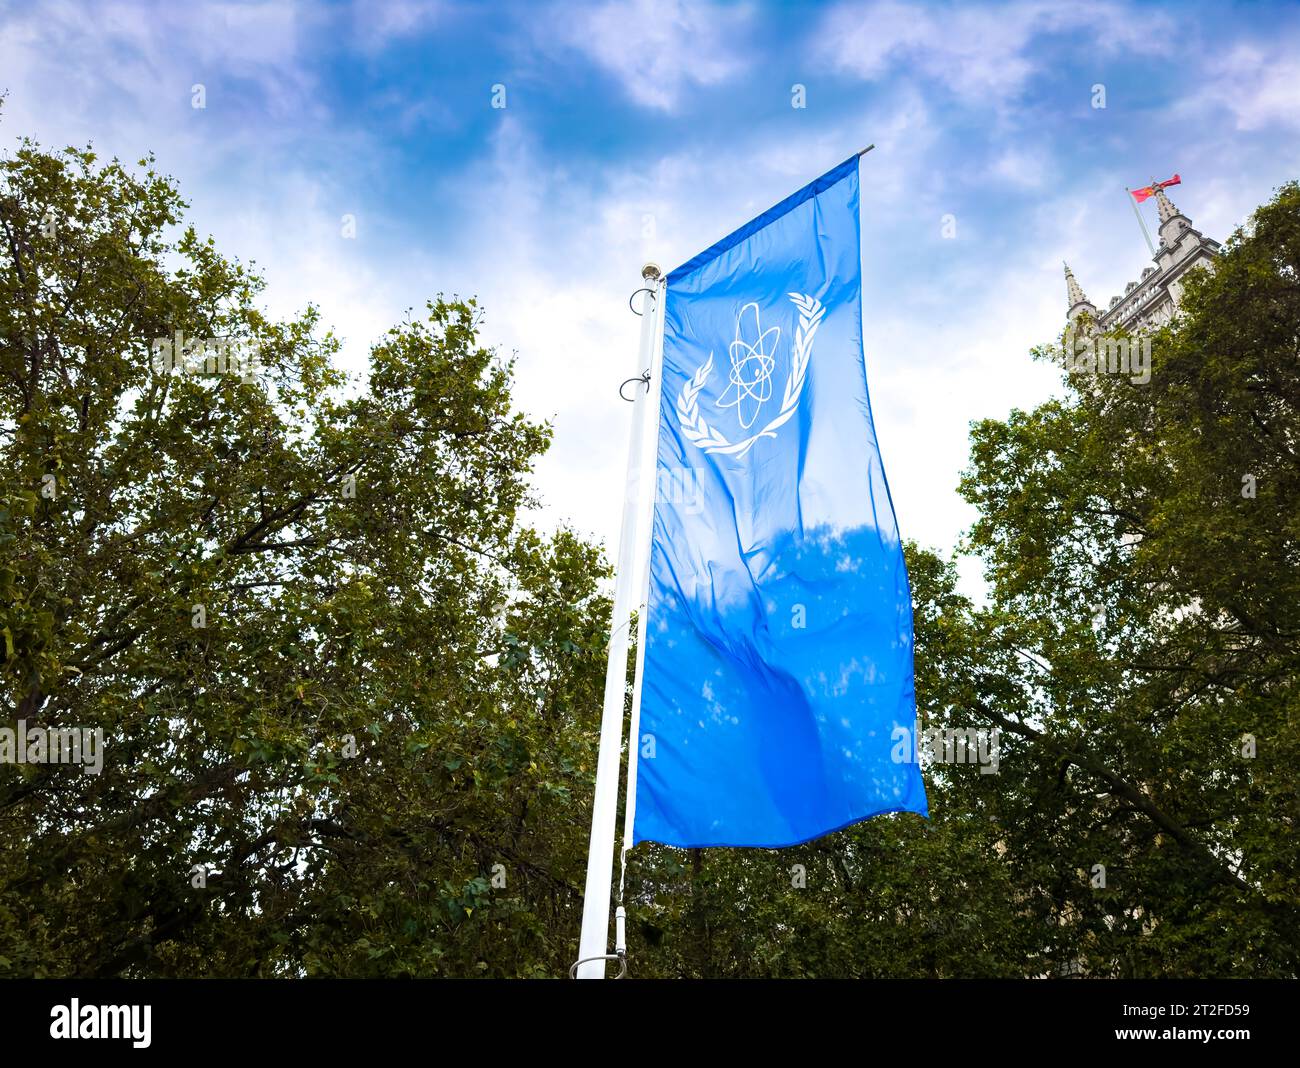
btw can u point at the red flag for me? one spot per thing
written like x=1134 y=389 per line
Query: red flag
x=1141 y=194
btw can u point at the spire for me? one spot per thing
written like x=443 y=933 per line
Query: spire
x=1074 y=293
x=1172 y=221
x=1166 y=206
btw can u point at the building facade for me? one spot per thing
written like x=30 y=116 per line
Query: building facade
x=1152 y=300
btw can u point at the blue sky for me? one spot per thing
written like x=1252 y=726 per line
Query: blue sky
x=646 y=130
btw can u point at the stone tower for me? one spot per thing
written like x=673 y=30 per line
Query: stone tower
x=1152 y=300
x=1078 y=302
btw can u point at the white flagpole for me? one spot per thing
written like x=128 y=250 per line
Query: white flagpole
x=650 y=467
x=593 y=946
x=1128 y=195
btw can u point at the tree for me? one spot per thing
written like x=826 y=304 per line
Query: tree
x=1143 y=637
x=347 y=696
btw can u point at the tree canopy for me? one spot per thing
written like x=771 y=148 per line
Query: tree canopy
x=334 y=670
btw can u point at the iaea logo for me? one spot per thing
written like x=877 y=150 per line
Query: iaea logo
x=751 y=366
x=753 y=358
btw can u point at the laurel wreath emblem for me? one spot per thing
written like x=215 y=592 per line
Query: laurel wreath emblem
x=698 y=431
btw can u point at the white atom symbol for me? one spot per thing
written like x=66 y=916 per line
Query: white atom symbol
x=752 y=363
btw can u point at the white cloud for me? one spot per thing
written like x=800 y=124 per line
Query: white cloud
x=380 y=22
x=657 y=49
x=981 y=52
x=122 y=72
x=1259 y=86
x=1022 y=168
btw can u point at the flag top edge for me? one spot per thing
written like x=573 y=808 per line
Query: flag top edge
x=812 y=189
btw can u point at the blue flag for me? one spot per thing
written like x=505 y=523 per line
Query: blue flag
x=778 y=659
